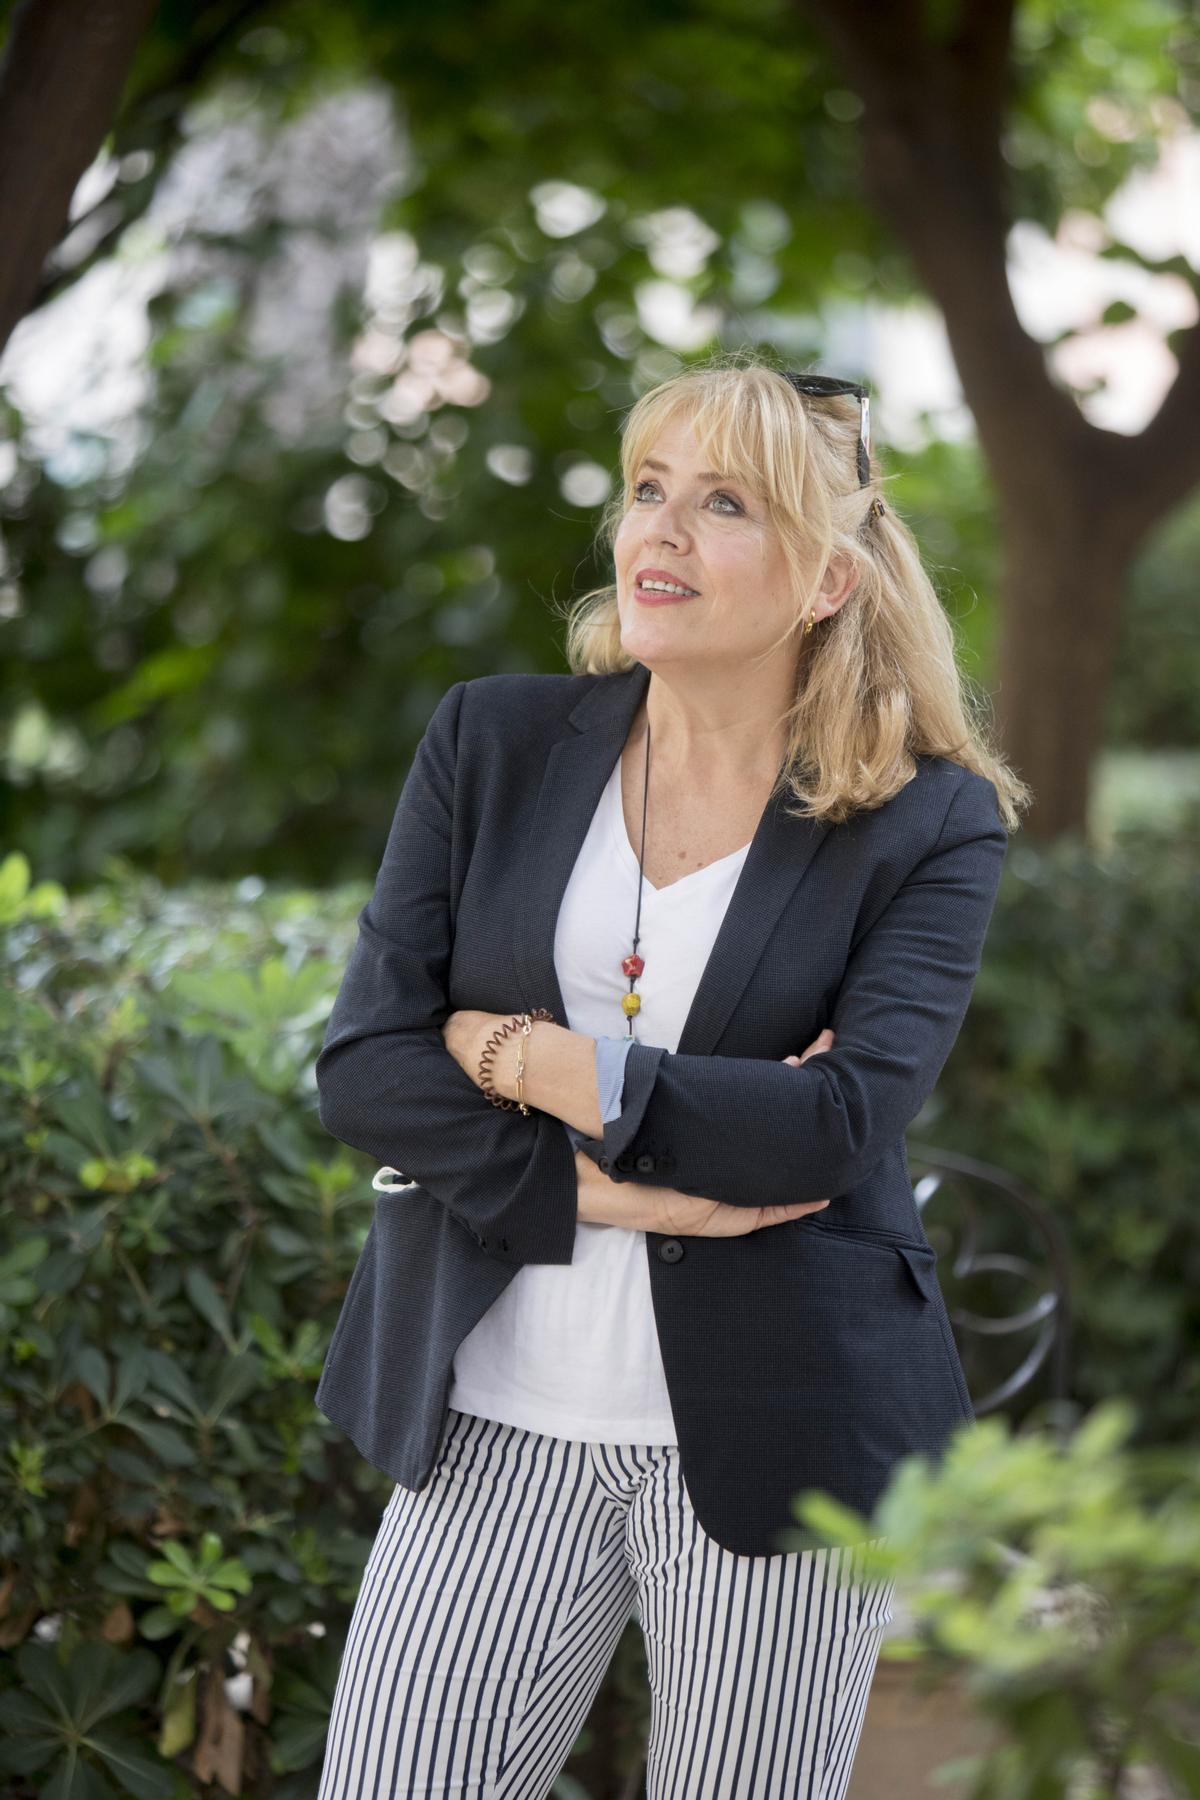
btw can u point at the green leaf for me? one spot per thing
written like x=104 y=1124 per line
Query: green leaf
x=208 y=1301
x=131 y=1467
x=14 y=883
x=92 y=1369
x=127 y=1557
x=137 y=1768
x=104 y=1680
x=75 y=1779
x=158 y=1622
x=232 y=1574
x=830 y=1519
x=178 y=1556
x=167 y=1574
x=1104 y=1430
x=133 y=1374
x=172 y=1381
x=21 y=1713
x=238 y=1377
x=44 y=1675
x=177 y=1731
x=24 y=1255
x=164 y=1440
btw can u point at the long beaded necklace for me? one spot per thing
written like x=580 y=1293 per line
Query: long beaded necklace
x=632 y=965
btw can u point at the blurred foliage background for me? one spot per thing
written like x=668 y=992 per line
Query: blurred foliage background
x=359 y=300
x=311 y=414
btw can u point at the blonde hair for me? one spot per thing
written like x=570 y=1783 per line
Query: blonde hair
x=878 y=680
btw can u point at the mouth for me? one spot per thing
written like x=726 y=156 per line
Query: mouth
x=650 y=591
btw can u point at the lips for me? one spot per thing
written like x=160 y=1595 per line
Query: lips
x=655 y=596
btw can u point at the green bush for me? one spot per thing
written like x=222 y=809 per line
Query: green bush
x=1059 y=1577
x=179 y=1232
x=1076 y=1071
x=177 y=1239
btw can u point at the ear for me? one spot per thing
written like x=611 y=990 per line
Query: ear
x=838 y=582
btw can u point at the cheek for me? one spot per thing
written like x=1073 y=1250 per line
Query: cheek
x=623 y=543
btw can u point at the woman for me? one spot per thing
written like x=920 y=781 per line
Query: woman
x=613 y=905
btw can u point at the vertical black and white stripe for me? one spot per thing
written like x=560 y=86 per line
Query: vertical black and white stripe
x=493 y=1600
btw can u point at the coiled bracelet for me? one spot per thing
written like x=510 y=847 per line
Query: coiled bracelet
x=524 y=1022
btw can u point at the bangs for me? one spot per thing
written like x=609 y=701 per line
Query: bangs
x=752 y=431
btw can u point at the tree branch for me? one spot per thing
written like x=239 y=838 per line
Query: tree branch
x=61 y=75
x=150 y=120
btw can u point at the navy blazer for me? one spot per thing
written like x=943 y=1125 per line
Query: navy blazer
x=813 y=1353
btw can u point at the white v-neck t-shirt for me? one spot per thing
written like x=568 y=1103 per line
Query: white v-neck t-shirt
x=572 y=1348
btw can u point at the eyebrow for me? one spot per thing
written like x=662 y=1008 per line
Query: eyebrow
x=648 y=462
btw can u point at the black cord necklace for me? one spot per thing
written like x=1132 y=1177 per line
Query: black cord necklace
x=632 y=965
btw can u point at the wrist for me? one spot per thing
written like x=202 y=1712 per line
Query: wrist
x=504 y=1060
x=560 y=1073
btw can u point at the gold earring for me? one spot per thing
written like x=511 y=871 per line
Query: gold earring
x=812 y=615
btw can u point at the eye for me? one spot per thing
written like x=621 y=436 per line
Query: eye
x=718 y=494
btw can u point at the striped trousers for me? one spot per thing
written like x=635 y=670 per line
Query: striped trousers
x=493 y=1600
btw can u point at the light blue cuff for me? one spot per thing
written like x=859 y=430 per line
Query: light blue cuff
x=611 y=1053
x=610 y=1073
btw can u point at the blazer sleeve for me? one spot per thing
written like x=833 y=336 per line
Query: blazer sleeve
x=387 y=1084
x=753 y=1132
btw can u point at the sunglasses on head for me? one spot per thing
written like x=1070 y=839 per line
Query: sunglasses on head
x=825 y=386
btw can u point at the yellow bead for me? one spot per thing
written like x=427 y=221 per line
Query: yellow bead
x=631 y=1003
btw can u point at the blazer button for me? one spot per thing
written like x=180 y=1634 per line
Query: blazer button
x=670 y=1250
x=645 y=1164
x=625 y=1161
x=603 y=1163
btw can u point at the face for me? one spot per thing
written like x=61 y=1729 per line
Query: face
x=708 y=534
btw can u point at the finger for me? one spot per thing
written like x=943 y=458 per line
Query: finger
x=796 y=1209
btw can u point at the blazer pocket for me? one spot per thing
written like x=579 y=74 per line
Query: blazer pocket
x=920 y=1262
x=918 y=1257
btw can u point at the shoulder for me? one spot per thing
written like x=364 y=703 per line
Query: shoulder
x=941 y=801
x=518 y=708
x=965 y=801
x=517 y=687
x=489 y=702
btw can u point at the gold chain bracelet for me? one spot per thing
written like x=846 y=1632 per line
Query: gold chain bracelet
x=524 y=1023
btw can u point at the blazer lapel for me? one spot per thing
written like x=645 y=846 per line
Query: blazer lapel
x=576 y=772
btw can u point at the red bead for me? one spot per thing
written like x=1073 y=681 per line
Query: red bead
x=633 y=965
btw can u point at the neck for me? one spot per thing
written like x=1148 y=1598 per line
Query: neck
x=725 y=730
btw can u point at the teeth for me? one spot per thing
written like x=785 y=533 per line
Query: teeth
x=667 y=587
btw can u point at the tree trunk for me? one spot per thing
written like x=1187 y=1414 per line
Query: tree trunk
x=1075 y=501
x=61 y=76
x=1061 y=608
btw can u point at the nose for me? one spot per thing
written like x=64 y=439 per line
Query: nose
x=667 y=528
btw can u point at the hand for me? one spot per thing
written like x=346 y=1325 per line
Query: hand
x=465 y=1033
x=822 y=1041
x=641 y=1207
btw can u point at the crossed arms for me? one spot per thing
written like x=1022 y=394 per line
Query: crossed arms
x=744 y=1130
